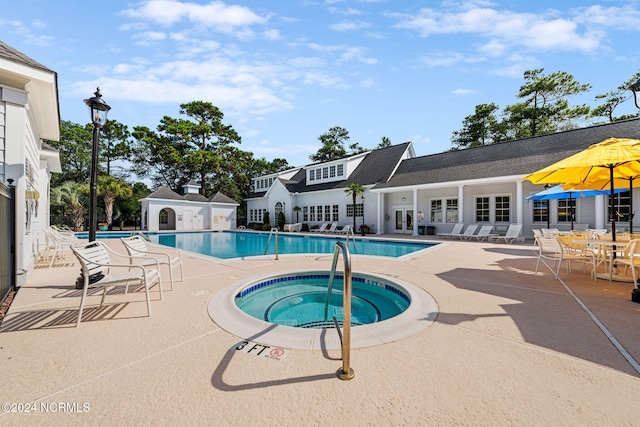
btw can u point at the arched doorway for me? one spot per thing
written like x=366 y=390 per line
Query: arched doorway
x=167 y=219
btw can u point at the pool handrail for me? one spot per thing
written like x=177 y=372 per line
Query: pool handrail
x=266 y=248
x=345 y=373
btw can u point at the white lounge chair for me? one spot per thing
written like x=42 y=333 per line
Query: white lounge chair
x=332 y=229
x=345 y=229
x=512 y=234
x=97 y=272
x=322 y=228
x=457 y=229
x=468 y=232
x=138 y=247
x=484 y=233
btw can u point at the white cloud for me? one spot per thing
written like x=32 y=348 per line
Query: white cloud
x=215 y=14
x=357 y=54
x=447 y=59
x=464 y=92
x=536 y=32
x=350 y=26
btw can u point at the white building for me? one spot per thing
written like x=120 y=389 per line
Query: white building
x=29 y=113
x=481 y=185
x=165 y=209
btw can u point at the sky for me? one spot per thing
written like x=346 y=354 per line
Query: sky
x=284 y=72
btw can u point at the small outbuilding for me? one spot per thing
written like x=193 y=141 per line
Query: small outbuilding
x=164 y=209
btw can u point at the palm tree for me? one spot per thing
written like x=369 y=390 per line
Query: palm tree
x=354 y=190
x=111 y=188
x=73 y=197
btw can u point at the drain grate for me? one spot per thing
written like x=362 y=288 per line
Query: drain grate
x=324 y=324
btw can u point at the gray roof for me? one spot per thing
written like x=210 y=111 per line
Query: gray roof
x=168 y=194
x=195 y=197
x=517 y=157
x=165 y=193
x=222 y=198
x=11 y=54
x=377 y=166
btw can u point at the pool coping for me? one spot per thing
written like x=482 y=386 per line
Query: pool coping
x=420 y=314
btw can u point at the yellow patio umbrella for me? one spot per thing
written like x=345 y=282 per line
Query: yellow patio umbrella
x=604 y=183
x=612 y=160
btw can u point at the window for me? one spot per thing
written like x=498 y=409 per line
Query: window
x=621 y=205
x=163 y=217
x=503 y=208
x=312 y=213
x=332 y=171
x=325 y=172
x=482 y=209
x=278 y=209
x=566 y=209
x=305 y=213
x=318 y=173
x=436 y=211
x=540 y=210
x=319 y=211
x=340 y=170
x=312 y=175
x=327 y=213
x=359 y=210
x=336 y=217
x=452 y=210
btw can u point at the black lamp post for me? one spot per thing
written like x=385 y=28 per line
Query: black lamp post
x=98 y=110
x=635 y=88
x=546 y=187
x=362 y=231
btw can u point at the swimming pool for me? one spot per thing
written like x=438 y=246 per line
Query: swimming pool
x=238 y=244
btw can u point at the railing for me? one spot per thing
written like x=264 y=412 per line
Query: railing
x=353 y=238
x=141 y=234
x=266 y=248
x=345 y=373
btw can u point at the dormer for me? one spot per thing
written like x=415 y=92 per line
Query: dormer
x=264 y=182
x=336 y=170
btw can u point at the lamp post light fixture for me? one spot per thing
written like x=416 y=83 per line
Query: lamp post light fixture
x=98 y=110
x=635 y=88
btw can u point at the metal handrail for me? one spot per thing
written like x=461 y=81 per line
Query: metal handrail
x=345 y=373
x=141 y=234
x=266 y=248
x=353 y=238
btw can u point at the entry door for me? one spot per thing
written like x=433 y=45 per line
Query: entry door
x=403 y=220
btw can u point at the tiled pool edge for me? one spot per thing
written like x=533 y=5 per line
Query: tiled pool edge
x=420 y=314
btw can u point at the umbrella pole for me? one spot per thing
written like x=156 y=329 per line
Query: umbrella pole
x=612 y=214
x=571 y=209
x=631 y=205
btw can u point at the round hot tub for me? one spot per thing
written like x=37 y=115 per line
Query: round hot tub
x=294 y=310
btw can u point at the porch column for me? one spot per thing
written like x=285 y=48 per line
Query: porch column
x=380 y=213
x=519 y=203
x=415 y=212
x=601 y=211
x=461 y=203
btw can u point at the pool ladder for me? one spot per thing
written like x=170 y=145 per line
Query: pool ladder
x=344 y=373
x=266 y=248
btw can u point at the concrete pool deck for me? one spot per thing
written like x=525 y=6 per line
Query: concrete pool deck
x=508 y=347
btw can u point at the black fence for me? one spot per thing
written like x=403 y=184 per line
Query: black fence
x=126 y=224
x=7 y=240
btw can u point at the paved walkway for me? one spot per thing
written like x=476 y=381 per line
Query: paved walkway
x=508 y=347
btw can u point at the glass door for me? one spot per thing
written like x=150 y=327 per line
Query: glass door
x=403 y=220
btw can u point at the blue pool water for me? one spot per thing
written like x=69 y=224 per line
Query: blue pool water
x=231 y=244
x=299 y=300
